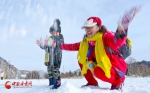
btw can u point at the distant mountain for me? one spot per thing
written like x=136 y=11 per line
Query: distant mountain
x=10 y=70
x=147 y=63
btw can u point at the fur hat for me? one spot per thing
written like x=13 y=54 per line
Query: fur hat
x=55 y=27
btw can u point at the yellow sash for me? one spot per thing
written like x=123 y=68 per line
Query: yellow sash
x=102 y=59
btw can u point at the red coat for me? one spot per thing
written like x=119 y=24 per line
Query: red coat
x=109 y=39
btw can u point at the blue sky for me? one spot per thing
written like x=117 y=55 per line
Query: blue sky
x=24 y=21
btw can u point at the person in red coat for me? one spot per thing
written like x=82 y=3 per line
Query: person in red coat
x=98 y=54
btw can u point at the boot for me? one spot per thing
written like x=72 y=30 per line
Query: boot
x=89 y=85
x=116 y=87
x=57 y=83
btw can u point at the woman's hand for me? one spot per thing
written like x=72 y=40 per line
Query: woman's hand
x=127 y=18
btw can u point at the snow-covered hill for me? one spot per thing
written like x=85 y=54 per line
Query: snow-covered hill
x=10 y=70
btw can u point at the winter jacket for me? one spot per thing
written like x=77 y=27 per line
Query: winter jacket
x=57 y=53
x=112 y=41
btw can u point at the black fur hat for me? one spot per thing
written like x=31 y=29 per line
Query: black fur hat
x=57 y=27
x=57 y=21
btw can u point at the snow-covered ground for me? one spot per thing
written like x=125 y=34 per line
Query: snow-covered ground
x=131 y=85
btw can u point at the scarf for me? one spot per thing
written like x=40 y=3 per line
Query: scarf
x=102 y=59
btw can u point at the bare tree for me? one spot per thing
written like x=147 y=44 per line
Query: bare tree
x=35 y=75
x=138 y=68
x=28 y=75
x=46 y=75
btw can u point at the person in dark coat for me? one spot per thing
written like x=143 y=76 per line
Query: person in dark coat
x=55 y=56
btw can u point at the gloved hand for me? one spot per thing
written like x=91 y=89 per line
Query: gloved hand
x=127 y=18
